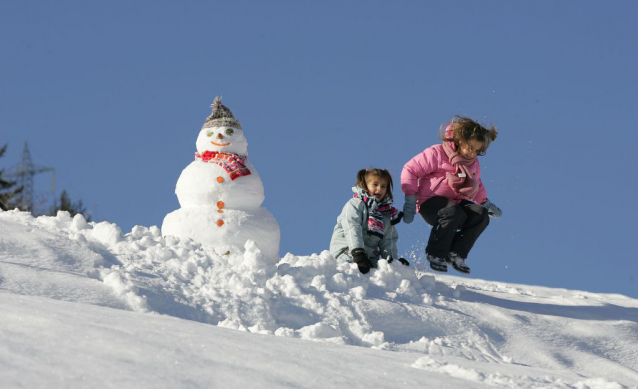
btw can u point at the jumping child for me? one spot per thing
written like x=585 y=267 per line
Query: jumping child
x=443 y=183
x=365 y=228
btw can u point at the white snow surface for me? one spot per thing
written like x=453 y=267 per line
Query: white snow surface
x=84 y=305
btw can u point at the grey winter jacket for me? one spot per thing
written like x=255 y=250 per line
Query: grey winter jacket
x=351 y=232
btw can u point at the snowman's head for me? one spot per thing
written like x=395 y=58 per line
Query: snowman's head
x=221 y=132
x=225 y=139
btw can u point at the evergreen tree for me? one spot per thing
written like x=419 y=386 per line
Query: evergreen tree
x=8 y=190
x=65 y=204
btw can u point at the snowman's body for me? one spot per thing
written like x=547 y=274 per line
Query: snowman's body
x=221 y=201
x=203 y=183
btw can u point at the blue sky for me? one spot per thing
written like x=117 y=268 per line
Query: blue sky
x=113 y=94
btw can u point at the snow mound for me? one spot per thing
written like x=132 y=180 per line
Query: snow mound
x=318 y=298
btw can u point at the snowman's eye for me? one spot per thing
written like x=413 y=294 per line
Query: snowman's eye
x=210 y=134
x=230 y=132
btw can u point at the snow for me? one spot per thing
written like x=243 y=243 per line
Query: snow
x=86 y=305
x=240 y=225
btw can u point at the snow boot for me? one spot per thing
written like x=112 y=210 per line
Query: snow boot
x=458 y=263
x=437 y=263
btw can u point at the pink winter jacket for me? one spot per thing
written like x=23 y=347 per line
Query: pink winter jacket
x=424 y=176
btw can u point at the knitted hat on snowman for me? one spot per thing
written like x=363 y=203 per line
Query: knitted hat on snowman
x=221 y=116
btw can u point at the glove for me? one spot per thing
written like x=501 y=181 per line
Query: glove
x=409 y=209
x=361 y=259
x=402 y=260
x=492 y=209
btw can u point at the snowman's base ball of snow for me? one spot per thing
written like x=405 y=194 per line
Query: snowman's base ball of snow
x=206 y=225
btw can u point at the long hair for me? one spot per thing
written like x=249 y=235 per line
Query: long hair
x=365 y=174
x=461 y=130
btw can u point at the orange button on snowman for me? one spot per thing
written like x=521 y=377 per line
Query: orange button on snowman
x=220 y=206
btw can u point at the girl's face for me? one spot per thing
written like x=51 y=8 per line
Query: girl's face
x=471 y=149
x=376 y=187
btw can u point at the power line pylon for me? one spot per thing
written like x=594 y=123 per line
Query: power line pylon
x=24 y=173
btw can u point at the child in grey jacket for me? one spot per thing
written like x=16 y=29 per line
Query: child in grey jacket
x=365 y=228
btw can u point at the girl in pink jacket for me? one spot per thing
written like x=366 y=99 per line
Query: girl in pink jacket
x=443 y=183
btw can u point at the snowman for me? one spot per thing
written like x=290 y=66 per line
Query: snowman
x=220 y=192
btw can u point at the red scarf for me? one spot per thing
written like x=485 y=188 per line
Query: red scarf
x=461 y=181
x=234 y=164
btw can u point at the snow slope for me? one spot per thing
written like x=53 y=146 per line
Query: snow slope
x=84 y=305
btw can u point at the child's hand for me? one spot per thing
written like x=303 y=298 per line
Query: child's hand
x=402 y=260
x=409 y=209
x=492 y=209
x=361 y=259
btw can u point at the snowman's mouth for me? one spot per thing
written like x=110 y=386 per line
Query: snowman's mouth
x=219 y=144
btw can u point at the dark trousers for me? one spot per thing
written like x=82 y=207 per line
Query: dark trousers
x=455 y=227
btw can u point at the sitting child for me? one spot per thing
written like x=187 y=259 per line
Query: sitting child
x=365 y=228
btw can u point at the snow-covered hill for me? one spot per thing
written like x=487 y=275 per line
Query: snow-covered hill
x=84 y=305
